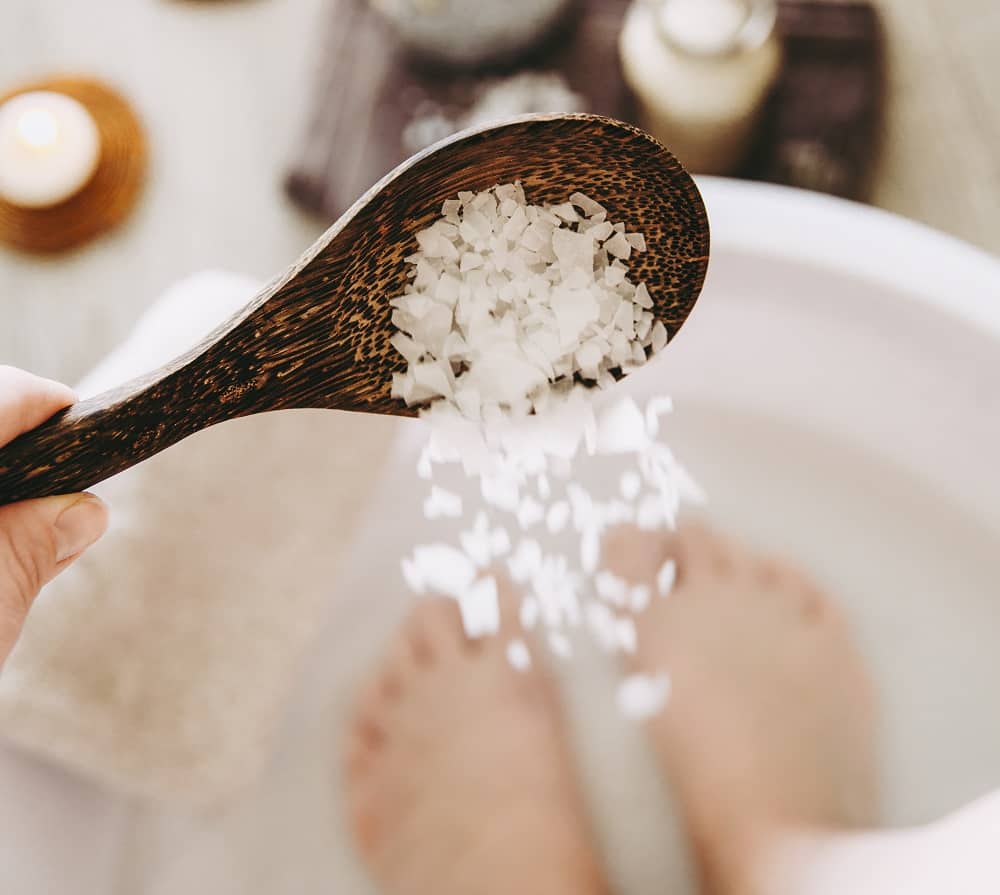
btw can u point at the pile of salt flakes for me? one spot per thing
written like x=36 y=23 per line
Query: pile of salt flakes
x=514 y=320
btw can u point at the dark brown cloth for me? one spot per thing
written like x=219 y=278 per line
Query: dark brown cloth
x=823 y=123
x=820 y=130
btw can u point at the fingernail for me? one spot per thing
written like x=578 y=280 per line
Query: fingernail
x=79 y=525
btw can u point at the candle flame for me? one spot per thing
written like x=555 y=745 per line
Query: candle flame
x=38 y=128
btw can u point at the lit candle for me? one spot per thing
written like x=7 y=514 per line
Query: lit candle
x=49 y=149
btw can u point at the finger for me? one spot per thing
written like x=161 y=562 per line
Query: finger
x=27 y=401
x=38 y=539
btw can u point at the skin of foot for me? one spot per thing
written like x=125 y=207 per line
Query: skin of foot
x=458 y=775
x=768 y=735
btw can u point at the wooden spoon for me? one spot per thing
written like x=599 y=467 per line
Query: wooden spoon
x=318 y=336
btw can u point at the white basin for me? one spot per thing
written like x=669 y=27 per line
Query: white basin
x=838 y=394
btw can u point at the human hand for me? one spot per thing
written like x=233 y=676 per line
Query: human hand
x=38 y=538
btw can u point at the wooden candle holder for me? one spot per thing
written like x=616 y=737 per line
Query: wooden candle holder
x=110 y=194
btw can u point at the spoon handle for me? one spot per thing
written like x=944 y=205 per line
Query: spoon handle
x=107 y=434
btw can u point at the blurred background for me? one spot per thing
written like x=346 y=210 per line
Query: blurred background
x=889 y=102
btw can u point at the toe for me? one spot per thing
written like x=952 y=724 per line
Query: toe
x=433 y=630
x=701 y=552
x=636 y=555
x=783 y=579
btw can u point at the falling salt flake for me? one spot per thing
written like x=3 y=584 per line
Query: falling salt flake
x=480 y=608
x=529 y=512
x=666 y=577
x=442 y=504
x=525 y=561
x=518 y=655
x=610 y=587
x=631 y=485
x=656 y=408
x=560 y=645
x=590 y=550
x=601 y=622
x=619 y=246
x=476 y=541
x=621 y=428
x=626 y=633
x=529 y=613
x=557 y=517
x=425 y=468
x=687 y=488
x=638 y=598
x=443 y=569
x=642 y=696
x=649 y=515
x=499 y=542
x=502 y=492
x=412 y=576
x=544 y=488
x=637 y=241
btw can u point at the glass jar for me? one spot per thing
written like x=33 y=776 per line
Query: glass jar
x=701 y=71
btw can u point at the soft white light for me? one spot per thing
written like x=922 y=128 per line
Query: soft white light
x=704 y=26
x=38 y=128
x=49 y=149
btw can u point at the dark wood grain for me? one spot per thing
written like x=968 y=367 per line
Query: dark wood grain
x=319 y=335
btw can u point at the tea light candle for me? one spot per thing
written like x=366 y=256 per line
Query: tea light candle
x=49 y=149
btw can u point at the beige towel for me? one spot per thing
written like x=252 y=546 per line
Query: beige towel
x=161 y=662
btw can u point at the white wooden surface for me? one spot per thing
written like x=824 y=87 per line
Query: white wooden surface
x=220 y=86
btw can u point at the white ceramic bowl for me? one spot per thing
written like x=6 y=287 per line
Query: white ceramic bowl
x=838 y=394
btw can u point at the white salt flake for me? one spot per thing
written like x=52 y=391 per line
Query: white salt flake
x=557 y=516
x=529 y=613
x=425 y=468
x=442 y=504
x=525 y=561
x=518 y=655
x=638 y=598
x=666 y=577
x=602 y=626
x=443 y=569
x=621 y=428
x=637 y=241
x=642 y=297
x=544 y=488
x=626 y=633
x=630 y=485
x=413 y=576
x=659 y=337
x=587 y=205
x=560 y=645
x=610 y=588
x=649 y=515
x=480 y=608
x=656 y=408
x=643 y=696
x=529 y=512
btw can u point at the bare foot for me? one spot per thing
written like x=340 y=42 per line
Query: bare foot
x=458 y=776
x=769 y=728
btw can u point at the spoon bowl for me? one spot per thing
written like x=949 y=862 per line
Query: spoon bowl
x=318 y=336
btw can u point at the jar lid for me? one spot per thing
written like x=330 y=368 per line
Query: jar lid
x=716 y=27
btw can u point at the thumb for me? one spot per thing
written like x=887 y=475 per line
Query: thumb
x=38 y=539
